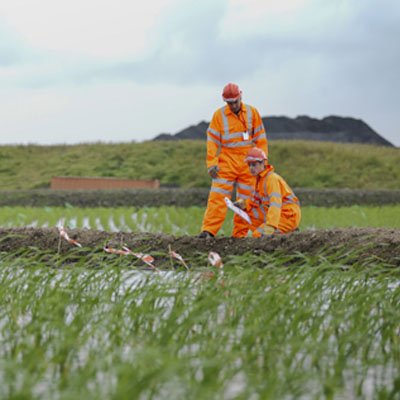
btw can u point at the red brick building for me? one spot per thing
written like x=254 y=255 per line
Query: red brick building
x=88 y=183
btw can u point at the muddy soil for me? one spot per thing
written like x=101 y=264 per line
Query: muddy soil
x=353 y=246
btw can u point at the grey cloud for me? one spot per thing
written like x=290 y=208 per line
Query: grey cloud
x=363 y=41
x=188 y=51
x=357 y=46
x=11 y=51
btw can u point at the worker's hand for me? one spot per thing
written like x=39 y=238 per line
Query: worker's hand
x=213 y=171
x=268 y=230
x=241 y=203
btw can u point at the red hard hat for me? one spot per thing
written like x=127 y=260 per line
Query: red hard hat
x=231 y=92
x=255 y=154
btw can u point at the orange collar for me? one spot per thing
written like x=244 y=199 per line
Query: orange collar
x=268 y=168
x=229 y=112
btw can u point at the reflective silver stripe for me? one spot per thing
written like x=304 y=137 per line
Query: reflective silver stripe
x=223 y=181
x=259 y=128
x=275 y=194
x=221 y=191
x=262 y=136
x=274 y=204
x=249 y=120
x=211 y=139
x=237 y=144
x=233 y=135
x=290 y=202
x=291 y=199
x=243 y=186
x=257 y=215
x=242 y=196
x=214 y=132
x=297 y=201
x=225 y=121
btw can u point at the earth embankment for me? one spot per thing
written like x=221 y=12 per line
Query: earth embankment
x=361 y=246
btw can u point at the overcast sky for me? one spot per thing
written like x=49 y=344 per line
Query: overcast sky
x=74 y=71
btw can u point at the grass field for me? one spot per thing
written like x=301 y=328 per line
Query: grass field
x=182 y=163
x=311 y=331
x=185 y=221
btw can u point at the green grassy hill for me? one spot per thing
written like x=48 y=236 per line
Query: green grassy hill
x=182 y=163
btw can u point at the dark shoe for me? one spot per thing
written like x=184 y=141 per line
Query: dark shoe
x=205 y=235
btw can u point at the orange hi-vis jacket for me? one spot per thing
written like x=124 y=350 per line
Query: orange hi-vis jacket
x=227 y=133
x=229 y=138
x=273 y=203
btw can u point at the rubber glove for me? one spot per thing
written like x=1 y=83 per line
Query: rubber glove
x=241 y=203
x=213 y=171
x=268 y=230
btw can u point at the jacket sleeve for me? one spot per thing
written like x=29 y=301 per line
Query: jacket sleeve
x=259 y=134
x=213 y=140
x=273 y=190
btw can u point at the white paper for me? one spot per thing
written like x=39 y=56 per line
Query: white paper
x=237 y=210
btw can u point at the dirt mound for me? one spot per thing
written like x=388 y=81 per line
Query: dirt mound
x=303 y=127
x=352 y=246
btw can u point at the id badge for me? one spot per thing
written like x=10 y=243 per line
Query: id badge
x=245 y=135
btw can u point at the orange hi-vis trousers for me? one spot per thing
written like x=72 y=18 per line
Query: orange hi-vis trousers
x=233 y=170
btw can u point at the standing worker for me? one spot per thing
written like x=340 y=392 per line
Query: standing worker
x=234 y=129
x=273 y=207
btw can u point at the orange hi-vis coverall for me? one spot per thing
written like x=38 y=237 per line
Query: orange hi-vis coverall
x=229 y=138
x=273 y=203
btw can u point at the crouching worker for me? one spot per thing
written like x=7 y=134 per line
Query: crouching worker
x=273 y=207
